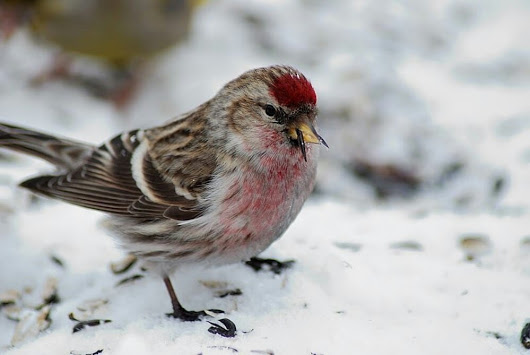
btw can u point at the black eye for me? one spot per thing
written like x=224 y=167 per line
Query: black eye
x=270 y=110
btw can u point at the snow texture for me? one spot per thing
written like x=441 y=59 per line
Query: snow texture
x=440 y=89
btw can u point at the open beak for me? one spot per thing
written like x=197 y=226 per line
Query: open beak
x=305 y=133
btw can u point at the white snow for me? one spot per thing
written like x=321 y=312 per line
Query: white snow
x=418 y=86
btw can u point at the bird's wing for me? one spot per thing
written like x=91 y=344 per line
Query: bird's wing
x=120 y=179
x=64 y=153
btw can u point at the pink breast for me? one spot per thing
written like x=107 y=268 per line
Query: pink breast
x=259 y=203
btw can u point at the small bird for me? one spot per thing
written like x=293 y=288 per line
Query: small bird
x=123 y=34
x=118 y=31
x=213 y=186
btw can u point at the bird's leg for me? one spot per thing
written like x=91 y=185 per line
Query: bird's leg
x=179 y=311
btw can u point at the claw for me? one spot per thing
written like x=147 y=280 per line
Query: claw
x=193 y=316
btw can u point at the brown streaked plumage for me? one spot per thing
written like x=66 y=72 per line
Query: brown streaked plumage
x=216 y=185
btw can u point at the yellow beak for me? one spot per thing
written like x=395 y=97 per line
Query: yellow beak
x=304 y=132
x=308 y=131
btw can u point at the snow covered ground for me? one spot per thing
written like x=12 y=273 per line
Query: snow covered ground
x=440 y=91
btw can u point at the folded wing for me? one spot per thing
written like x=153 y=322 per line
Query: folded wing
x=105 y=182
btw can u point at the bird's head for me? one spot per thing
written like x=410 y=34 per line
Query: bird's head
x=272 y=110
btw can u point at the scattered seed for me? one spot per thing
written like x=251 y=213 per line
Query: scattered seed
x=234 y=292
x=9 y=297
x=32 y=322
x=407 y=245
x=73 y=352
x=348 y=246
x=123 y=265
x=49 y=292
x=213 y=312
x=129 y=279
x=449 y=172
x=498 y=185
x=13 y=312
x=223 y=348
x=90 y=306
x=496 y=335
x=212 y=284
x=277 y=267
x=475 y=245
x=56 y=260
x=228 y=331
x=82 y=324
x=525 y=336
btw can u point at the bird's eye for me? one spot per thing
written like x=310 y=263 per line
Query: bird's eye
x=270 y=110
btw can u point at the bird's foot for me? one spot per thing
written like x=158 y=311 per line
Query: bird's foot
x=193 y=316
x=227 y=329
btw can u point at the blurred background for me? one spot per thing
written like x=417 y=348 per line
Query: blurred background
x=418 y=231
x=418 y=101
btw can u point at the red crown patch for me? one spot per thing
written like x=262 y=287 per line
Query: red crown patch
x=293 y=90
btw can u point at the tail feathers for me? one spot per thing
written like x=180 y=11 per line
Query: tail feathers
x=63 y=153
